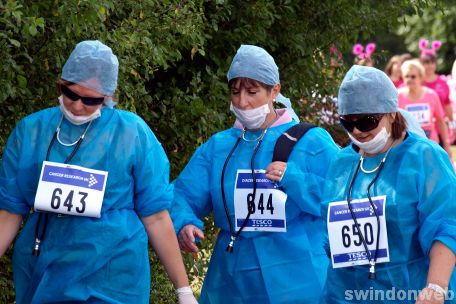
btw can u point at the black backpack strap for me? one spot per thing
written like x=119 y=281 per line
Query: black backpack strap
x=288 y=140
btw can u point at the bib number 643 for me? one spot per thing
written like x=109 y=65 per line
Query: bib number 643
x=66 y=200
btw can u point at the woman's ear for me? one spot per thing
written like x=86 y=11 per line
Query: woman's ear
x=392 y=116
x=275 y=90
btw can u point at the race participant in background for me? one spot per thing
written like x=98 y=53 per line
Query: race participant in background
x=423 y=103
x=438 y=83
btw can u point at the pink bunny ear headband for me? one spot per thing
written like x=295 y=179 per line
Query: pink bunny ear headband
x=358 y=50
x=435 y=45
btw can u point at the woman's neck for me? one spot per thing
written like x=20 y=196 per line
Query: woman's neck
x=430 y=77
x=395 y=78
x=270 y=118
x=414 y=93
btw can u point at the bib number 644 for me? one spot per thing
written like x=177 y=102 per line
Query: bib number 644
x=252 y=206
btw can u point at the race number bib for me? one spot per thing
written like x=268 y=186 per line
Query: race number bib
x=69 y=189
x=267 y=208
x=421 y=111
x=347 y=249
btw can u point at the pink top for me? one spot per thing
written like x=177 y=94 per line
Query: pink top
x=284 y=117
x=426 y=109
x=398 y=83
x=441 y=87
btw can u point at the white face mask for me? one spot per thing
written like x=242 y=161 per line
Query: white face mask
x=253 y=118
x=77 y=119
x=374 y=145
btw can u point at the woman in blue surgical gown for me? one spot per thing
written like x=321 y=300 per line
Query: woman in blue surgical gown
x=392 y=179
x=269 y=248
x=97 y=179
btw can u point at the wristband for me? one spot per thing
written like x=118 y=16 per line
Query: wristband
x=437 y=288
x=186 y=290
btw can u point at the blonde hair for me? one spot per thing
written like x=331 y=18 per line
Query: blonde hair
x=412 y=63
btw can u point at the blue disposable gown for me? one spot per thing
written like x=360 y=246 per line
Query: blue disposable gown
x=419 y=183
x=265 y=267
x=86 y=259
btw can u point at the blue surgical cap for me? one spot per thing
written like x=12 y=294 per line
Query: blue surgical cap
x=287 y=103
x=94 y=66
x=255 y=63
x=367 y=90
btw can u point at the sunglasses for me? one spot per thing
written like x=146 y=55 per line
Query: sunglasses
x=88 y=101
x=364 y=123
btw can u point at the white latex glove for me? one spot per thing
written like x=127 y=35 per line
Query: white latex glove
x=185 y=295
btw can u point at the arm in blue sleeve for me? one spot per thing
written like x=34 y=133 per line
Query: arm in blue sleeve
x=192 y=197
x=437 y=200
x=304 y=178
x=11 y=198
x=153 y=193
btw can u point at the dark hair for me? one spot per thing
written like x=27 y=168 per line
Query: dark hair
x=398 y=126
x=391 y=62
x=428 y=58
x=364 y=61
x=245 y=82
x=406 y=56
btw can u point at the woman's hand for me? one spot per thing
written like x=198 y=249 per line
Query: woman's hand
x=276 y=170
x=187 y=236
x=430 y=296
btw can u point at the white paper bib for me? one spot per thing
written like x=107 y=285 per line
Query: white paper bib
x=421 y=111
x=345 y=242
x=69 y=189
x=268 y=207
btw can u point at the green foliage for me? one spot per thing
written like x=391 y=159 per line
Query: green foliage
x=6 y=284
x=174 y=56
x=433 y=24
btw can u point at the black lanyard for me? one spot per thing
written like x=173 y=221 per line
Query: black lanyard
x=373 y=260
x=250 y=208
x=39 y=233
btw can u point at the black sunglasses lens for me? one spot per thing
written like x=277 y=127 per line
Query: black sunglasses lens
x=70 y=94
x=368 y=123
x=348 y=125
x=88 y=101
x=92 y=101
x=363 y=124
